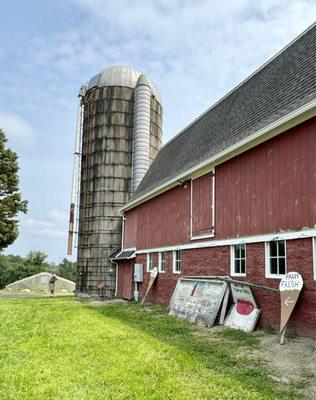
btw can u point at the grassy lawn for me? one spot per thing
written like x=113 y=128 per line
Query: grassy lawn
x=63 y=348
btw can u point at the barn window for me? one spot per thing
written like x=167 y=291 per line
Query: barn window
x=162 y=261
x=177 y=261
x=275 y=258
x=149 y=261
x=238 y=260
x=202 y=206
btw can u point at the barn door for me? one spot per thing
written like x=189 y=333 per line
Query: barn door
x=125 y=279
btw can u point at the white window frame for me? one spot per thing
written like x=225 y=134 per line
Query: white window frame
x=232 y=260
x=150 y=257
x=267 y=260
x=160 y=261
x=314 y=257
x=212 y=205
x=174 y=261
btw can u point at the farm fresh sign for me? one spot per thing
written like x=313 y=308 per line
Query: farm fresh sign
x=290 y=289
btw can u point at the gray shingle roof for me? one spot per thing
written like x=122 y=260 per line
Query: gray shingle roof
x=282 y=85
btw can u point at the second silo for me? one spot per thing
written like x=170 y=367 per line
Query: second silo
x=121 y=135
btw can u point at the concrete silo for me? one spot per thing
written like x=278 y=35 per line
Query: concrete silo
x=119 y=134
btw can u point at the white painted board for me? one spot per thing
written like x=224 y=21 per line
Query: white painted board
x=242 y=321
x=197 y=300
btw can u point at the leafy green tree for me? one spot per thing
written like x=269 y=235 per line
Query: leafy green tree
x=36 y=258
x=67 y=269
x=11 y=202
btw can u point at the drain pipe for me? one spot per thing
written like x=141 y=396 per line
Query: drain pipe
x=122 y=247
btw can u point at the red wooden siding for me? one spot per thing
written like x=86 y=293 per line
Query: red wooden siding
x=202 y=194
x=165 y=219
x=269 y=188
x=130 y=229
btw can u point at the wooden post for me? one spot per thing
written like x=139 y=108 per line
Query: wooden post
x=282 y=335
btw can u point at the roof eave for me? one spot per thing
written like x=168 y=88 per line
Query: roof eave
x=277 y=127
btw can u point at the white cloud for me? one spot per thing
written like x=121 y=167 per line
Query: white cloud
x=195 y=51
x=19 y=132
x=54 y=226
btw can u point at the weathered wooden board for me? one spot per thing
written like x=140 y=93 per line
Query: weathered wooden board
x=242 y=292
x=197 y=300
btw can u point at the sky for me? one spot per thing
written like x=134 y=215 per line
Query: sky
x=195 y=51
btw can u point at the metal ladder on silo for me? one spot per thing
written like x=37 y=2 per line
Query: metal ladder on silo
x=76 y=176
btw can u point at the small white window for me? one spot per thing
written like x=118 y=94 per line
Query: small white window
x=238 y=260
x=149 y=261
x=162 y=261
x=177 y=261
x=275 y=259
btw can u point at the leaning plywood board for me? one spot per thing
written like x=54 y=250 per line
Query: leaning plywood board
x=197 y=300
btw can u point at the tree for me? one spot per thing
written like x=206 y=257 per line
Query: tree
x=11 y=202
x=67 y=269
x=37 y=258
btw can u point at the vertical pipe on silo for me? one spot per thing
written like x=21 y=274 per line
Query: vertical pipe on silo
x=141 y=130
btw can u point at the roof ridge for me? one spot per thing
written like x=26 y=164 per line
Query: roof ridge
x=241 y=83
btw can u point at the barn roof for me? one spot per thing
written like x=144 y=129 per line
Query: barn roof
x=282 y=85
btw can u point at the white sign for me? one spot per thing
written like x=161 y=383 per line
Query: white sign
x=290 y=288
x=291 y=281
x=245 y=320
x=153 y=276
x=154 y=272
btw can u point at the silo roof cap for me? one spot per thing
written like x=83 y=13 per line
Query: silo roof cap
x=121 y=75
x=143 y=80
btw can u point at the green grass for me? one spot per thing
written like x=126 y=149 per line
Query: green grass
x=62 y=348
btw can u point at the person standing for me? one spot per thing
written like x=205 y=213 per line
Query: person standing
x=52 y=282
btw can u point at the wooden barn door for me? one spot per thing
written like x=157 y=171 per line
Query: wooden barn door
x=125 y=279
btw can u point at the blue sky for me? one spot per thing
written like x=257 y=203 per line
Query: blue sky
x=194 y=51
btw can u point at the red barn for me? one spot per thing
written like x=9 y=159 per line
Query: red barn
x=234 y=193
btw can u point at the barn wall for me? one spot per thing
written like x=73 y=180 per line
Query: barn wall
x=267 y=189
x=130 y=229
x=216 y=261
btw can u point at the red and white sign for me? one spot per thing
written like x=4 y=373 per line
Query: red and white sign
x=244 y=313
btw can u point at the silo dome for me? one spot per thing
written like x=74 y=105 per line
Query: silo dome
x=121 y=75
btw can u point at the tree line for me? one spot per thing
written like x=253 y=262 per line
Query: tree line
x=14 y=268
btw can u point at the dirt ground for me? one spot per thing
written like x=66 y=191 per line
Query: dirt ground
x=295 y=360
